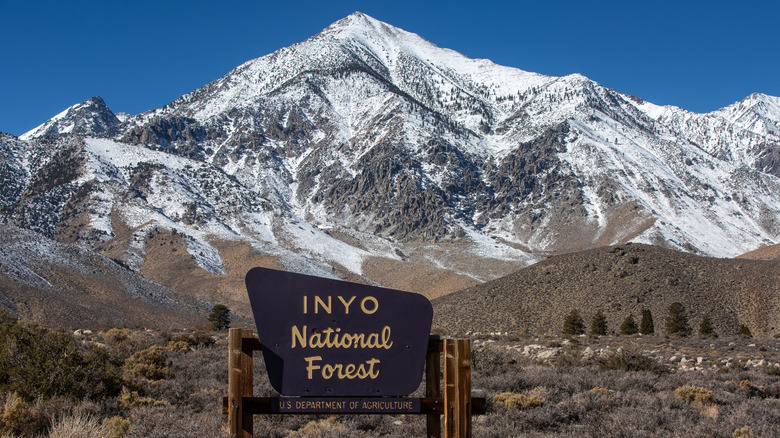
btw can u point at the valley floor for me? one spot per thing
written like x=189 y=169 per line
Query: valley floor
x=539 y=387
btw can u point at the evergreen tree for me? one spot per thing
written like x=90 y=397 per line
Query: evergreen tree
x=598 y=325
x=573 y=323
x=629 y=326
x=220 y=317
x=677 y=321
x=646 y=327
x=706 y=328
x=744 y=332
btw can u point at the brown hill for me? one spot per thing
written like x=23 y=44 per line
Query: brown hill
x=620 y=280
x=66 y=285
x=770 y=252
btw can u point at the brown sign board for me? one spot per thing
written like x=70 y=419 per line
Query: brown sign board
x=329 y=338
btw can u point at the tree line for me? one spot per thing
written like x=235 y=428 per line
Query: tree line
x=676 y=324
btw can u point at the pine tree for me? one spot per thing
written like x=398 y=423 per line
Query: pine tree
x=598 y=325
x=573 y=323
x=677 y=321
x=706 y=328
x=744 y=332
x=629 y=326
x=220 y=317
x=646 y=327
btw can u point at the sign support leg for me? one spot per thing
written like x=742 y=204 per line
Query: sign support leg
x=239 y=382
x=457 y=388
x=433 y=384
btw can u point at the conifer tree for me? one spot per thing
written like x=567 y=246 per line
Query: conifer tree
x=677 y=321
x=706 y=328
x=573 y=323
x=220 y=317
x=629 y=326
x=646 y=327
x=598 y=325
x=744 y=332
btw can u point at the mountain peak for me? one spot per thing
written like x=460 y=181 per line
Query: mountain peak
x=369 y=31
x=356 y=19
x=90 y=117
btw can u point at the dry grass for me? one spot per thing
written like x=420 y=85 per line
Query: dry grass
x=526 y=395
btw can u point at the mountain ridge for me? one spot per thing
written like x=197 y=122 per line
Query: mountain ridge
x=366 y=146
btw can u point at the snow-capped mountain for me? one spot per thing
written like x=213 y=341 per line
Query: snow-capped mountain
x=90 y=117
x=366 y=146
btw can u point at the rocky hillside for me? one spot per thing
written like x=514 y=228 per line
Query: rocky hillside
x=620 y=281
x=65 y=285
x=370 y=154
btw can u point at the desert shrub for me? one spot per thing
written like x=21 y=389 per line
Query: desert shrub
x=124 y=342
x=771 y=370
x=573 y=324
x=116 y=336
x=318 y=428
x=677 y=321
x=751 y=390
x=16 y=418
x=598 y=325
x=519 y=401
x=130 y=399
x=197 y=339
x=38 y=363
x=117 y=426
x=624 y=359
x=743 y=432
x=570 y=357
x=79 y=426
x=151 y=363
x=628 y=327
x=692 y=394
x=178 y=346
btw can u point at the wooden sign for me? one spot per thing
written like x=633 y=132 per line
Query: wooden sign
x=324 y=337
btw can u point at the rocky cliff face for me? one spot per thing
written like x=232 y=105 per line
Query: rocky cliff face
x=366 y=142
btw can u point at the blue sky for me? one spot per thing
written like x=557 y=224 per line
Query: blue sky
x=140 y=55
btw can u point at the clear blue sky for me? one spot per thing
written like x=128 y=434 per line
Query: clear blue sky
x=140 y=55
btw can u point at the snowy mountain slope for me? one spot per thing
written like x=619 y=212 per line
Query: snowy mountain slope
x=368 y=142
x=89 y=118
x=67 y=285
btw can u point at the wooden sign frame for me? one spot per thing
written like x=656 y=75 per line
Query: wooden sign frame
x=456 y=405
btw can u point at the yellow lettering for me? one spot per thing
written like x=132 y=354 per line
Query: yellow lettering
x=349 y=371
x=315 y=340
x=298 y=335
x=328 y=370
x=333 y=338
x=346 y=303
x=386 y=338
x=341 y=371
x=305 y=305
x=311 y=367
x=318 y=300
x=363 y=305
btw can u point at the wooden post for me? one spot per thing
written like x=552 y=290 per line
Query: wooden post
x=432 y=383
x=239 y=382
x=457 y=388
